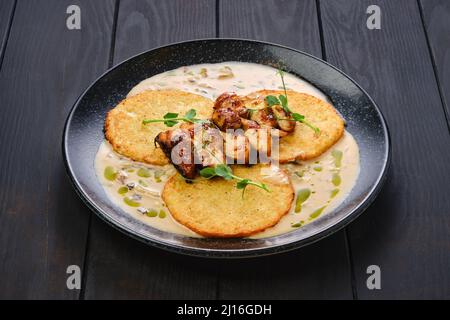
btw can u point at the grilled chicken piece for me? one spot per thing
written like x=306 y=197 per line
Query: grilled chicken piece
x=226 y=118
x=280 y=115
x=177 y=146
x=228 y=111
x=233 y=102
x=191 y=147
x=264 y=117
x=249 y=124
x=276 y=121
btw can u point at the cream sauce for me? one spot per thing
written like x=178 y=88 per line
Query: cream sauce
x=323 y=183
x=143 y=184
x=247 y=78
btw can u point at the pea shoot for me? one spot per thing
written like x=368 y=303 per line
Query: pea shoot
x=170 y=119
x=224 y=171
x=282 y=100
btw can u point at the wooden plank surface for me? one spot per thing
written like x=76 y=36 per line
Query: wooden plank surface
x=6 y=16
x=322 y=270
x=436 y=18
x=119 y=267
x=43 y=224
x=406 y=232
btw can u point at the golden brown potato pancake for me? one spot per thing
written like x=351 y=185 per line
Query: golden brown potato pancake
x=216 y=208
x=304 y=143
x=129 y=137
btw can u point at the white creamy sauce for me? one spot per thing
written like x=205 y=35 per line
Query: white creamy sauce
x=247 y=78
x=323 y=183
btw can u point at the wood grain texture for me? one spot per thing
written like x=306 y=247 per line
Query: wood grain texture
x=322 y=270
x=436 y=18
x=143 y=25
x=406 y=231
x=318 y=271
x=119 y=267
x=288 y=22
x=43 y=224
x=6 y=15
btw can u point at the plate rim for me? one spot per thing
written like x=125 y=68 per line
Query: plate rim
x=231 y=253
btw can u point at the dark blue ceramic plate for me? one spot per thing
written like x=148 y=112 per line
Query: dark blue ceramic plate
x=84 y=133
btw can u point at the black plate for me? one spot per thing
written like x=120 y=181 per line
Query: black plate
x=83 y=134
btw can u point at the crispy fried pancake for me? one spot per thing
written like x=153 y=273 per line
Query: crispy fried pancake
x=303 y=143
x=216 y=208
x=129 y=137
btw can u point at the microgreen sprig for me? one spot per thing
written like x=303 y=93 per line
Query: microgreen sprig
x=282 y=100
x=224 y=171
x=170 y=119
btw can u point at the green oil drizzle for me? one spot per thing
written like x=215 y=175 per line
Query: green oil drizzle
x=334 y=192
x=122 y=190
x=152 y=213
x=110 y=174
x=336 y=179
x=143 y=183
x=302 y=196
x=298 y=224
x=337 y=155
x=317 y=168
x=316 y=213
x=158 y=175
x=131 y=202
x=144 y=173
x=162 y=214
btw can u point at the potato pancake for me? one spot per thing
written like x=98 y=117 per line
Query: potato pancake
x=304 y=143
x=216 y=208
x=129 y=137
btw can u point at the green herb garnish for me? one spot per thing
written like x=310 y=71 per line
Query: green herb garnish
x=170 y=119
x=225 y=172
x=282 y=100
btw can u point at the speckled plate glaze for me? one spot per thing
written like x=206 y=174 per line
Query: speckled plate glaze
x=83 y=134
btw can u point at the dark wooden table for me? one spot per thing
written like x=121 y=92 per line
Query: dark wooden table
x=44 y=226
